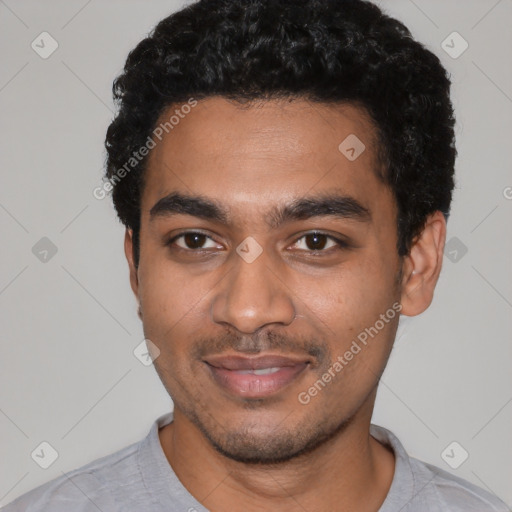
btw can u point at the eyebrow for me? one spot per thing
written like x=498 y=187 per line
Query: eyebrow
x=331 y=205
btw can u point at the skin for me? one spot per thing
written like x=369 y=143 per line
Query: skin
x=289 y=300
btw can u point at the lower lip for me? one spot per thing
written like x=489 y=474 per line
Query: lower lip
x=248 y=385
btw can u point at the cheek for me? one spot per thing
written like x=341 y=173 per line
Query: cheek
x=351 y=296
x=172 y=301
x=349 y=306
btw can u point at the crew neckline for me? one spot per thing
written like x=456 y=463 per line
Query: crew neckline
x=164 y=487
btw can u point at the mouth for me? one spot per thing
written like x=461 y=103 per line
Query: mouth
x=255 y=377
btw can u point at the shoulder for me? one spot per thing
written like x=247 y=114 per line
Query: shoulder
x=454 y=493
x=418 y=486
x=88 y=488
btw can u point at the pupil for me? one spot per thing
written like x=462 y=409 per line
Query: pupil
x=316 y=243
x=194 y=240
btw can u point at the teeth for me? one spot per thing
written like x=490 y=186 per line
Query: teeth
x=266 y=371
x=261 y=371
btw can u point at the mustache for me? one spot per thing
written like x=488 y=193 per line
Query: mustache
x=270 y=341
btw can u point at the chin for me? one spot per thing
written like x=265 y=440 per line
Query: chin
x=275 y=445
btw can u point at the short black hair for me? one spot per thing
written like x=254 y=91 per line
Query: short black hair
x=328 y=51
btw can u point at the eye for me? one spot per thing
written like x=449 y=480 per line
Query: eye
x=192 y=240
x=318 y=242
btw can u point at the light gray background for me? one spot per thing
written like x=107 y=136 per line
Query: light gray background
x=69 y=326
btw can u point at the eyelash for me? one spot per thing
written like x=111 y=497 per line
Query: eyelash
x=340 y=243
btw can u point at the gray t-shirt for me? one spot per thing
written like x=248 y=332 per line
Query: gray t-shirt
x=138 y=478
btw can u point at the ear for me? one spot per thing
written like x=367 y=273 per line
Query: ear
x=422 y=266
x=128 y=251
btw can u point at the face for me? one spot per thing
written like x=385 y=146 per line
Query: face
x=266 y=254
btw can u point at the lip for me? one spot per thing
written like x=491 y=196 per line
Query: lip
x=234 y=373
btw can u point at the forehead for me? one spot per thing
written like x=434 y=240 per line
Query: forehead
x=270 y=151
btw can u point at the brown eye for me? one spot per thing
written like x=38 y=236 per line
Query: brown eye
x=191 y=241
x=194 y=240
x=317 y=242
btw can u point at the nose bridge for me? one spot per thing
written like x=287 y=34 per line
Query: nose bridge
x=252 y=295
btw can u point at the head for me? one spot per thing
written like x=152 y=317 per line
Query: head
x=288 y=171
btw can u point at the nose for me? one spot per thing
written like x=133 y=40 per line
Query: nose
x=252 y=296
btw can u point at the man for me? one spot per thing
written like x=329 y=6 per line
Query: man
x=284 y=170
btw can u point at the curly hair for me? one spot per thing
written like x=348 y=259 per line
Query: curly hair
x=327 y=51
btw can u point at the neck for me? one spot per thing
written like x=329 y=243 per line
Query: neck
x=352 y=471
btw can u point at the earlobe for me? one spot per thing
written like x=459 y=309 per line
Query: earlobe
x=128 y=251
x=422 y=266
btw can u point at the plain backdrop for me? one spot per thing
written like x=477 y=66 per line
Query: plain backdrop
x=69 y=324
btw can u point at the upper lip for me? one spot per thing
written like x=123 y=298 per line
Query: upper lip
x=235 y=362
